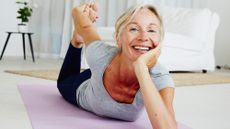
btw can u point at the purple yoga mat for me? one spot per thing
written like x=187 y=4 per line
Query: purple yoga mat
x=48 y=110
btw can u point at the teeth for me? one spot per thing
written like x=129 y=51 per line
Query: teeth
x=141 y=48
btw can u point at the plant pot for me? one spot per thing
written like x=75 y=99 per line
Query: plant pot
x=22 y=28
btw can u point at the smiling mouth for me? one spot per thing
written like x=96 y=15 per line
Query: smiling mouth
x=142 y=48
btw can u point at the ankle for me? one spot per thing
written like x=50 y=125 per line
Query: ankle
x=76 y=44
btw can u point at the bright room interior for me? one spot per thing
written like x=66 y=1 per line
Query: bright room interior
x=196 y=40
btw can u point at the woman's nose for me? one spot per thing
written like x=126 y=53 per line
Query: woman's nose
x=143 y=36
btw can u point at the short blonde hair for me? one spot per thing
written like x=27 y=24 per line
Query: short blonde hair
x=129 y=14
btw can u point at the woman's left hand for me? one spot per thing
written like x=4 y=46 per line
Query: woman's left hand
x=149 y=59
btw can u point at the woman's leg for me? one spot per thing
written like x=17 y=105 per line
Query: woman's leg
x=70 y=77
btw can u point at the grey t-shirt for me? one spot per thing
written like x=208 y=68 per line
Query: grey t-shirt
x=93 y=97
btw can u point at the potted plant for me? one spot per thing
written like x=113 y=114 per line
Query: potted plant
x=24 y=11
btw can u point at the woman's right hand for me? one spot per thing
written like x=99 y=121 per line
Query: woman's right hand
x=148 y=59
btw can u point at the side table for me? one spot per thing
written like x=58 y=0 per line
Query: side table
x=23 y=43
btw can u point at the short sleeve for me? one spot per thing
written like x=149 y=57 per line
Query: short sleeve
x=161 y=77
x=98 y=54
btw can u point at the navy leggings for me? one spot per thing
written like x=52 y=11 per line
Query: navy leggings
x=70 y=77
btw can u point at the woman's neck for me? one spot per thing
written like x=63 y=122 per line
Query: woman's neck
x=125 y=69
x=122 y=86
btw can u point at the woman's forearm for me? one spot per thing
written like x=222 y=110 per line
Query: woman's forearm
x=158 y=114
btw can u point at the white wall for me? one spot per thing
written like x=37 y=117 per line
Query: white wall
x=8 y=22
x=222 y=47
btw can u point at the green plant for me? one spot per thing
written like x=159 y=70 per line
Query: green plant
x=25 y=11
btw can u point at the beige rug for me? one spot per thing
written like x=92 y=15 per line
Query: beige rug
x=181 y=79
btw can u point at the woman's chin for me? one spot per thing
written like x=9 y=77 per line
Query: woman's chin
x=139 y=52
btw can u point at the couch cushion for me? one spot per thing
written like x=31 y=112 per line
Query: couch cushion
x=193 y=23
x=182 y=42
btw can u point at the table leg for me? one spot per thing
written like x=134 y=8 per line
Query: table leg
x=7 y=39
x=23 y=43
x=31 y=46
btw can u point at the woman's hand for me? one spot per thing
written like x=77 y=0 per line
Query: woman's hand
x=149 y=59
x=159 y=115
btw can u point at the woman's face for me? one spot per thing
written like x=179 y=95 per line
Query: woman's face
x=140 y=35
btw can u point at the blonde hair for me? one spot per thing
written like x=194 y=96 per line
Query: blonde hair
x=123 y=20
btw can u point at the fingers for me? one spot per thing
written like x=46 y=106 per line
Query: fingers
x=156 y=50
x=152 y=56
x=158 y=47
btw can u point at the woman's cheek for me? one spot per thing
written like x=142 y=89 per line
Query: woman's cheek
x=157 y=43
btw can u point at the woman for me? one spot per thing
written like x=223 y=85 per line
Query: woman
x=123 y=79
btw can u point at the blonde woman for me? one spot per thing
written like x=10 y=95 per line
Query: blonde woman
x=121 y=80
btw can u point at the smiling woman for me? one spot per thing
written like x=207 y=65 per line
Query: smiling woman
x=122 y=79
x=142 y=27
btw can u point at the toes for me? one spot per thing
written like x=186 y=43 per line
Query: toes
x=94 y=6
x=93 y=15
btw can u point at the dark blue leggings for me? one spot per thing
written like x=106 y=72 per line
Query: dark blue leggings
x=70 y=77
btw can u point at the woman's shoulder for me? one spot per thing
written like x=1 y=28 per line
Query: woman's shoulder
x=100 y=46
x=100 y=53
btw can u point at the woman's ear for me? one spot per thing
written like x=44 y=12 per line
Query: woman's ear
x=118 y=40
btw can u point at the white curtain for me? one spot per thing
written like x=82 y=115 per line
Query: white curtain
x=47 y=25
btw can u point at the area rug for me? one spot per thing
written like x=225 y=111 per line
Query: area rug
x=180 y=79
x=48 y=110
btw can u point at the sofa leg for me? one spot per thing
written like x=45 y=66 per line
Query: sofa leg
x=204 y=71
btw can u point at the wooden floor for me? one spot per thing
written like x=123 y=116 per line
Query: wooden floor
x=200 y=107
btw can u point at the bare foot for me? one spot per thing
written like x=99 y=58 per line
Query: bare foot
x=83 y=16
x=77 y=40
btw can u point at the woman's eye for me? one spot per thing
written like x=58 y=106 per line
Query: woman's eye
x=152 y=31
x=133 y=29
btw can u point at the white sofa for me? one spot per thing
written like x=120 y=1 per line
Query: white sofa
x=189 y=39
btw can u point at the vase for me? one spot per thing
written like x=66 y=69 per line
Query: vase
x=22 y=28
